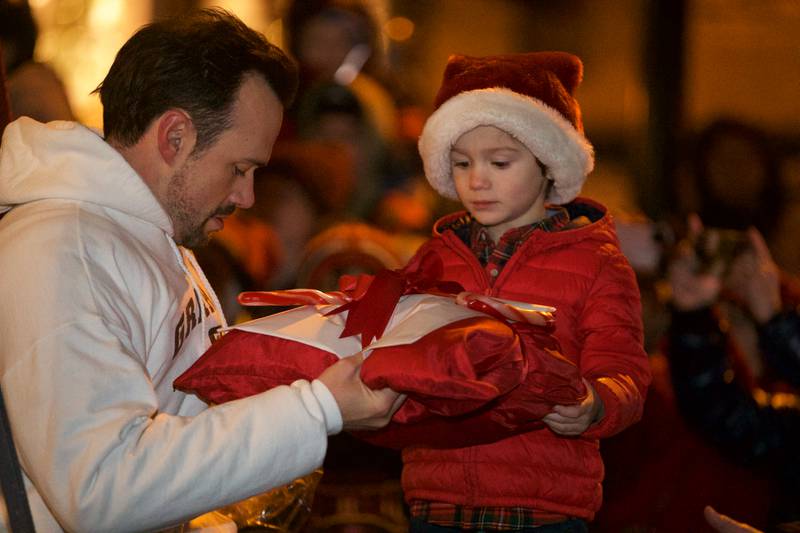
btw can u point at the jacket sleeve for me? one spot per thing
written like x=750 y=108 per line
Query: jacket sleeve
x=749 y=426
x=87 y=423
x=613 y=359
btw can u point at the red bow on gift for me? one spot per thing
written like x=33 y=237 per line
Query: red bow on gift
x=373 y=304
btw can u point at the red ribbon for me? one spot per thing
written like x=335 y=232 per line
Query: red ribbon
x=374 y=299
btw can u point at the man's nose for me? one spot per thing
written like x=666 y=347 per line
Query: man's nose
x=243 y=195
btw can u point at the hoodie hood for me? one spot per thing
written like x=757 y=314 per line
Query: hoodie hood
x=67 y=161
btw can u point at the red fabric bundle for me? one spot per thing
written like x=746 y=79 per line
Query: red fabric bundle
x=242 y=364
x=550 y=380
x=471 y=374
x=447 y=357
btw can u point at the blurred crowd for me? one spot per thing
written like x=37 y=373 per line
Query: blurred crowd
x=344 y=193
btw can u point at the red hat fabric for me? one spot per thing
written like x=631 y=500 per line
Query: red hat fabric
x=530 y=97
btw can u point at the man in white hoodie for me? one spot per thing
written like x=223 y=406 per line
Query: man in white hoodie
x=103 y=305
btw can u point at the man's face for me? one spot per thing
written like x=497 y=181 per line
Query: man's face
x=213 y=183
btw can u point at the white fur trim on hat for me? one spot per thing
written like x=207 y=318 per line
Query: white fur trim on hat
x=563 y=150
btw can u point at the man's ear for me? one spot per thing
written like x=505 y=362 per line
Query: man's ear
x=176 y=136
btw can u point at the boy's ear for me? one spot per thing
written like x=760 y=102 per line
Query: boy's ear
x=175 y=136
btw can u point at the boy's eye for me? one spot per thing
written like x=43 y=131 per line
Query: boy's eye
x=460 y=164
x=501 y=164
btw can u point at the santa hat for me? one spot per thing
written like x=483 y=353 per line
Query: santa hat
x=529 y=96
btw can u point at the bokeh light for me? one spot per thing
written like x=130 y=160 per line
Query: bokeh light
x=399 y=28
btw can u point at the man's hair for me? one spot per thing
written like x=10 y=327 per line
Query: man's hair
x=196 y=62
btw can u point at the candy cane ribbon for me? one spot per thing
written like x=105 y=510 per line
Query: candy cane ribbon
x=293 y=297
x=538 y=315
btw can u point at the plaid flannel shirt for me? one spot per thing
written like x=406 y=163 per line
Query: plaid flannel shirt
x=482 y=518
x=494 y=256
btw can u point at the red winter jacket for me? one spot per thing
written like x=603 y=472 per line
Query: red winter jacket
x=583 y=274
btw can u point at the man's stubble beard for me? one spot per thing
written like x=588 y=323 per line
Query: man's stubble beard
x=188 y=225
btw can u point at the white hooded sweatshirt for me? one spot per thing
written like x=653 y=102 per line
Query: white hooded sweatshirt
x=100 y=310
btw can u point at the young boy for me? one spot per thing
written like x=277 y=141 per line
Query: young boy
x=506 y=139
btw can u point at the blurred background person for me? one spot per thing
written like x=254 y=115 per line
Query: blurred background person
x=733 y=183
x=340 y=41
x=347 y=94
x=734 y=174
x=751 y=418
x=34 y=88
x=332 y=113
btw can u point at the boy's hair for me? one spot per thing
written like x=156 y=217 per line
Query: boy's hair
x=530 y=97
x=195 y=62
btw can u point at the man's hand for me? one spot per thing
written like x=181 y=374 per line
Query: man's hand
x=572 y=420
x=362 y=408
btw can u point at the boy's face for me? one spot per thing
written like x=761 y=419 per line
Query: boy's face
x=498 y=180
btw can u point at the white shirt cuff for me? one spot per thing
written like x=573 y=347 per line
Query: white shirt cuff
x=330 y=409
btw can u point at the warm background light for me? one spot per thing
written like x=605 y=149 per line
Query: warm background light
x=80 y=39
x=399 y=28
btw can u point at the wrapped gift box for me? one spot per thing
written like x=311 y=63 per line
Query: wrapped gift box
x=471 y=374
x=447 y=357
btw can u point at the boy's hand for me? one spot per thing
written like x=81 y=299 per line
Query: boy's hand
x=362 y=408
x=572 y=420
